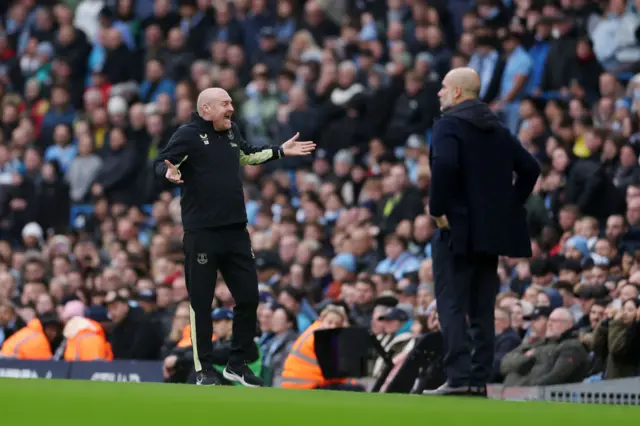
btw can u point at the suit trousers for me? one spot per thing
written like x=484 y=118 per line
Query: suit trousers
x=466 y=287
x=229 y=251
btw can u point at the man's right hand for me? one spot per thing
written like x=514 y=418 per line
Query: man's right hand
x=173 y=174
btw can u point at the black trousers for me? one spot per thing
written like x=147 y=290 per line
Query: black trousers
x=466 y=287
x=228 y=250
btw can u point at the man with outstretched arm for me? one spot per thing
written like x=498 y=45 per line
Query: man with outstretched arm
x=204 y=157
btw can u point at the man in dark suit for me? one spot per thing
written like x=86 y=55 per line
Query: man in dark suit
x=478 y=206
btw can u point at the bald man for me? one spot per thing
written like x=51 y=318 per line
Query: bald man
x=204 y=158
x=478 y=207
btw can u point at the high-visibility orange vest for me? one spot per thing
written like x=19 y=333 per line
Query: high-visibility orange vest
x=86 y=341
x=29 y=342
x=185 y=340
x=301 y=369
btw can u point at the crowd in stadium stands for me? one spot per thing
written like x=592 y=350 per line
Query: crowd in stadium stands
x=91 y=262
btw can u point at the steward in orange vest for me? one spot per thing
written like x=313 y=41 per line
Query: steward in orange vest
x=185 y=340
x=85 y=340
x=301 y=369
x=35 y=341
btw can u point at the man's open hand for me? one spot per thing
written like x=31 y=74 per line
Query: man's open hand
x=293 y=148
x=173 y=174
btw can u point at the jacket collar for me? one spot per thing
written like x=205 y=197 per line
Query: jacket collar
x=201 y=122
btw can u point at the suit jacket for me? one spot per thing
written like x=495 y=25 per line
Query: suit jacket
x=473 y=161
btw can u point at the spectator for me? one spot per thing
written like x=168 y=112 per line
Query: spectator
x=9 y=319
x=616 y=341
x=38 y=340
x=397 y=324
x=285 y=331
x=84 y=339
x=398 y=260
x=293 y=300
x=83 y=170
x=134 y=335
x=529 y=365
x=514 y=80
x=178 y=367
x=155 y=82
x=538 y=328
x=301 y=369
x=507 y=339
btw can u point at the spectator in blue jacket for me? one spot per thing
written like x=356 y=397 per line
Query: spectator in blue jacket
x=61 y=112
x=155 y=82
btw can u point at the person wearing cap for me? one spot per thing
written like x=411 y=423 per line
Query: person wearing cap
x=343 y=269
x=37 y=341
x=178 y=367
x=557 y=359
x=537 y=324
x=270 y=53
x=383 y=304
x=397 y=324
x=32 y=235
x=147 y=300
x=269 y=268
x=478 y=207
x=134 y=335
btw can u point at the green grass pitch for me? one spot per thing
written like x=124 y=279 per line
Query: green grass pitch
x=28 y=402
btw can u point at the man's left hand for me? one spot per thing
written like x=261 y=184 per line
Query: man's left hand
x=293 y=148
x=442 y=222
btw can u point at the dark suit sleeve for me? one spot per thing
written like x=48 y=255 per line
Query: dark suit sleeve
x=176 y=151
x=250 y=154
x=444 y=166
x=527 y=171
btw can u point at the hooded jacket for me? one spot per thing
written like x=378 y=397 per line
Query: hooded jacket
x=473 y=162
x=85 y=340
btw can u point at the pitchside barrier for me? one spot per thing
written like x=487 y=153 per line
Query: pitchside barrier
x=115 y=371
x=621 y=391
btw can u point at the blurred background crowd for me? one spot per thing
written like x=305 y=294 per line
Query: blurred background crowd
x=91 y=262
